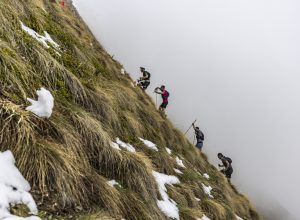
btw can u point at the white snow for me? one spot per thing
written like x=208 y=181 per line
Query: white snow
x=197 y=199
x=238 y=217
x=179 y=162
x=178 y=171
x=42 y=39
x=128 y=147
x=149 y=144
x=44 y=105
x=207 y=190
x=204 y=217
x=166 y=205
x=115 y=146
x=206 y=175
x=14 y=189
x=122 y=71
x=169 y=150
x=113 y=183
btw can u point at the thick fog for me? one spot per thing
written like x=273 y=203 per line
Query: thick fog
x=231 y=64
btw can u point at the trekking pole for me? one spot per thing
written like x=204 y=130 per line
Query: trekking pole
x=194 y=139
x=190 y=127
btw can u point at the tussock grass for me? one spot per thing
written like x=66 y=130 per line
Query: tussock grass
x=190 y=214
x=96 y=216
x=137 y=208
x=213 y=209
x=16 y=127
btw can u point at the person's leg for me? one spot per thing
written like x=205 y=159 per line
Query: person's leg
x=146 y=84
x=228 y=174
x=199 y=145
x=162 y=107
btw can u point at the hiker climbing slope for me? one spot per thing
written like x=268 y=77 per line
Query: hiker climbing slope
x=199 y=137
x=144 y=81
x=165 y=97
x=227 y=170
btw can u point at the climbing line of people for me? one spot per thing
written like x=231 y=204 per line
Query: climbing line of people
x=144 y=82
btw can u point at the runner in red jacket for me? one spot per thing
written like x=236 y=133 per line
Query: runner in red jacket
x=165 y=97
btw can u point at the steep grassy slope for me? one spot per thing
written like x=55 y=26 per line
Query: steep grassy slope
x=68 y=158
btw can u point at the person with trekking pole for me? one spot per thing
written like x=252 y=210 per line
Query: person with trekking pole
x=199 y=137
x=165 y=97
x=144 y=81
x=227 y=170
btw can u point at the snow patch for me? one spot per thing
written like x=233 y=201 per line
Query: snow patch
x=238 y=217
x=178 y=171
x=149 y=144
x=128 y=147
x=169 y=150
x=166 y=205
x=44 y=105
x=113 y=183
x=14 y=189
x=207 y=190
x=179 y=162
x=115 y=146
x=197 y=199
x=122 y=71
x=42 y=39
x=206 y=176
x=204 y=217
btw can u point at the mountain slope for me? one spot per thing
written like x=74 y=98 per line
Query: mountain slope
x=70 y=157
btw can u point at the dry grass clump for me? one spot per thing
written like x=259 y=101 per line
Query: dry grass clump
x=137 y=208
x=190 y=214
x=213 y=209
x=101 y=215
x=16 y=127
x=16 y=76
x=183 y=195
x=163 y=162
x=133 y=170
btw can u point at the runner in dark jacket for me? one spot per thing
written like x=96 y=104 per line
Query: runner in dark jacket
x=144 y=81
x=227 y=171
x=165 y=97
x=199 y=137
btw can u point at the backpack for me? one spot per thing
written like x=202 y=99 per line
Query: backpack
x=148 y=75
x=200 y=135
x=228 y=159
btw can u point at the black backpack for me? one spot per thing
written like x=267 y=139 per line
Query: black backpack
x=200 y=135
x=228 y=159
x=168 y=94
x=148 y=75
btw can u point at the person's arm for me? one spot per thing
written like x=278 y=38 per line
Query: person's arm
x=143 y=77
x=226 y=165
x=158 y=92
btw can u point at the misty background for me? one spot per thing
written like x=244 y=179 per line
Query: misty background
x=234 y=66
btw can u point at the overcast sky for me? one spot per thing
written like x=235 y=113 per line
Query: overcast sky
x=233 y=65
